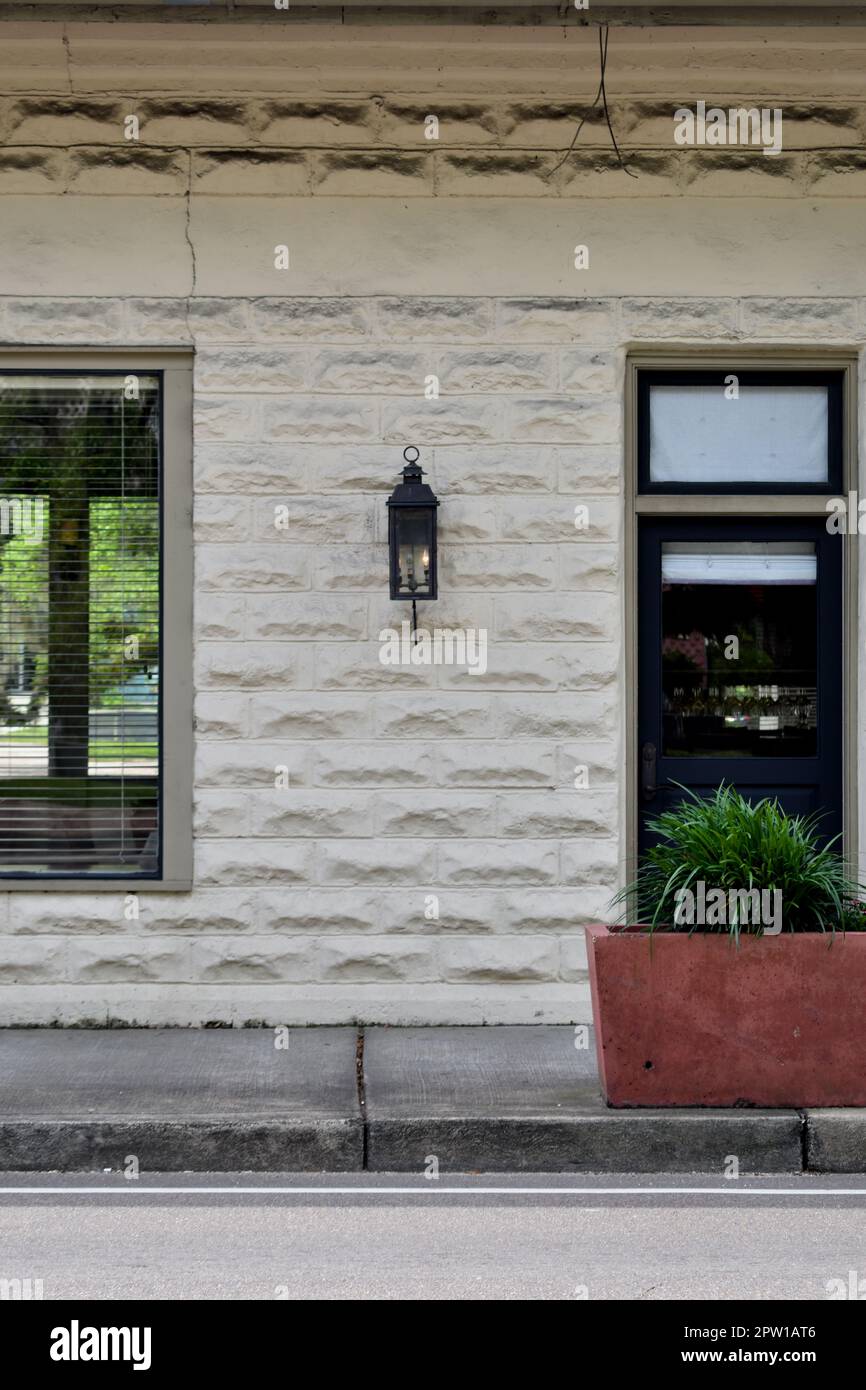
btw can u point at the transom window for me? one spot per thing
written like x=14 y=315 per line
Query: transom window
x=750 y=431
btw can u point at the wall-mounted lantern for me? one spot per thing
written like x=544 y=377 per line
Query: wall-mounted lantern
x=412 y=533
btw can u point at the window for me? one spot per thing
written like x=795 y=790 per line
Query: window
x=83 y=715
x=742 y=431
x=739 y=648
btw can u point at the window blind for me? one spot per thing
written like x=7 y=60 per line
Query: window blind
x=739 y=563
x=79 y=624
x=768 y=434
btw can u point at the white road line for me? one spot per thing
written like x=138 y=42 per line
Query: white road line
x=133 y=1190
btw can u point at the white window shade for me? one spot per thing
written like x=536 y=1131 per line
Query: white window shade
x=705 y=565
x=770 y=434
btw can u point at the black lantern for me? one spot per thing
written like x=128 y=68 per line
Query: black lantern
x=412 y=533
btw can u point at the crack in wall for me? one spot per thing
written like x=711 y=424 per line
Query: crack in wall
x=190 y=244
x=68 y=55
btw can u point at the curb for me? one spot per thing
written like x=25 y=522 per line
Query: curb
x=624 y=1142
x=835 y=1141
x=172 y=1146
x=631 y=1142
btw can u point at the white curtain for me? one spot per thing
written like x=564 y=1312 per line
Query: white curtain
x=771 y=434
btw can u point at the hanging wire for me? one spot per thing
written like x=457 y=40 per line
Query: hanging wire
x=601 y=94
x=603 y=63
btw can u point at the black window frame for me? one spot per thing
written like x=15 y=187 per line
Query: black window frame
x=834 y=380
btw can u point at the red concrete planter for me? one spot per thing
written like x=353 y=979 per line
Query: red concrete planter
x=696 y=1021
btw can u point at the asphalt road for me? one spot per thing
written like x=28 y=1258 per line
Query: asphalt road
x=351 y=1238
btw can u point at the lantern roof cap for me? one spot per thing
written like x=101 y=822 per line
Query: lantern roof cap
x=412 y=491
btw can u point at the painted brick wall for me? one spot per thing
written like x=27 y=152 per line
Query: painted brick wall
x=407 y=262
x=403 y=783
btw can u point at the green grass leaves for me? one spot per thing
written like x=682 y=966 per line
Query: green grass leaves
x=727 y=843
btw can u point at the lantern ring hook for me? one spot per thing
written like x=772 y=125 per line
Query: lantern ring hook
x=410 y=449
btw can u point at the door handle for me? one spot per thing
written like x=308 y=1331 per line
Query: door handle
x=648 y=756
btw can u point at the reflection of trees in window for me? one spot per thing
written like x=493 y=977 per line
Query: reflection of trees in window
x=79 y=602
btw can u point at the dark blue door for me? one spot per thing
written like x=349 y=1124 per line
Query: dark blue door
x=740 y=663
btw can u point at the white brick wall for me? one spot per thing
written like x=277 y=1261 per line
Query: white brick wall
x=310 y=901
x=403 y=783
x=309 y=904
x=408 y=783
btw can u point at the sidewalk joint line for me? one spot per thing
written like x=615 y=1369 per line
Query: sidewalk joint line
x=805 y=1141
x=361 y=1085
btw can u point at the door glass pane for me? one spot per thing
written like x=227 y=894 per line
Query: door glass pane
x=739 y=649
x=768 y=434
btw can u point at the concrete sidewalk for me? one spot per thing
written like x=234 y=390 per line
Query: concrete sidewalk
x=497 y=1099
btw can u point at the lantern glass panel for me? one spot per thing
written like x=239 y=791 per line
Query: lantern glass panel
x=414 y=530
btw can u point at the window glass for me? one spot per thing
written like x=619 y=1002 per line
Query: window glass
x=765 y=434
x=739 y=649
x=79 y=625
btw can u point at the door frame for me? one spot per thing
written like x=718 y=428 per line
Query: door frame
x=744 y=505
